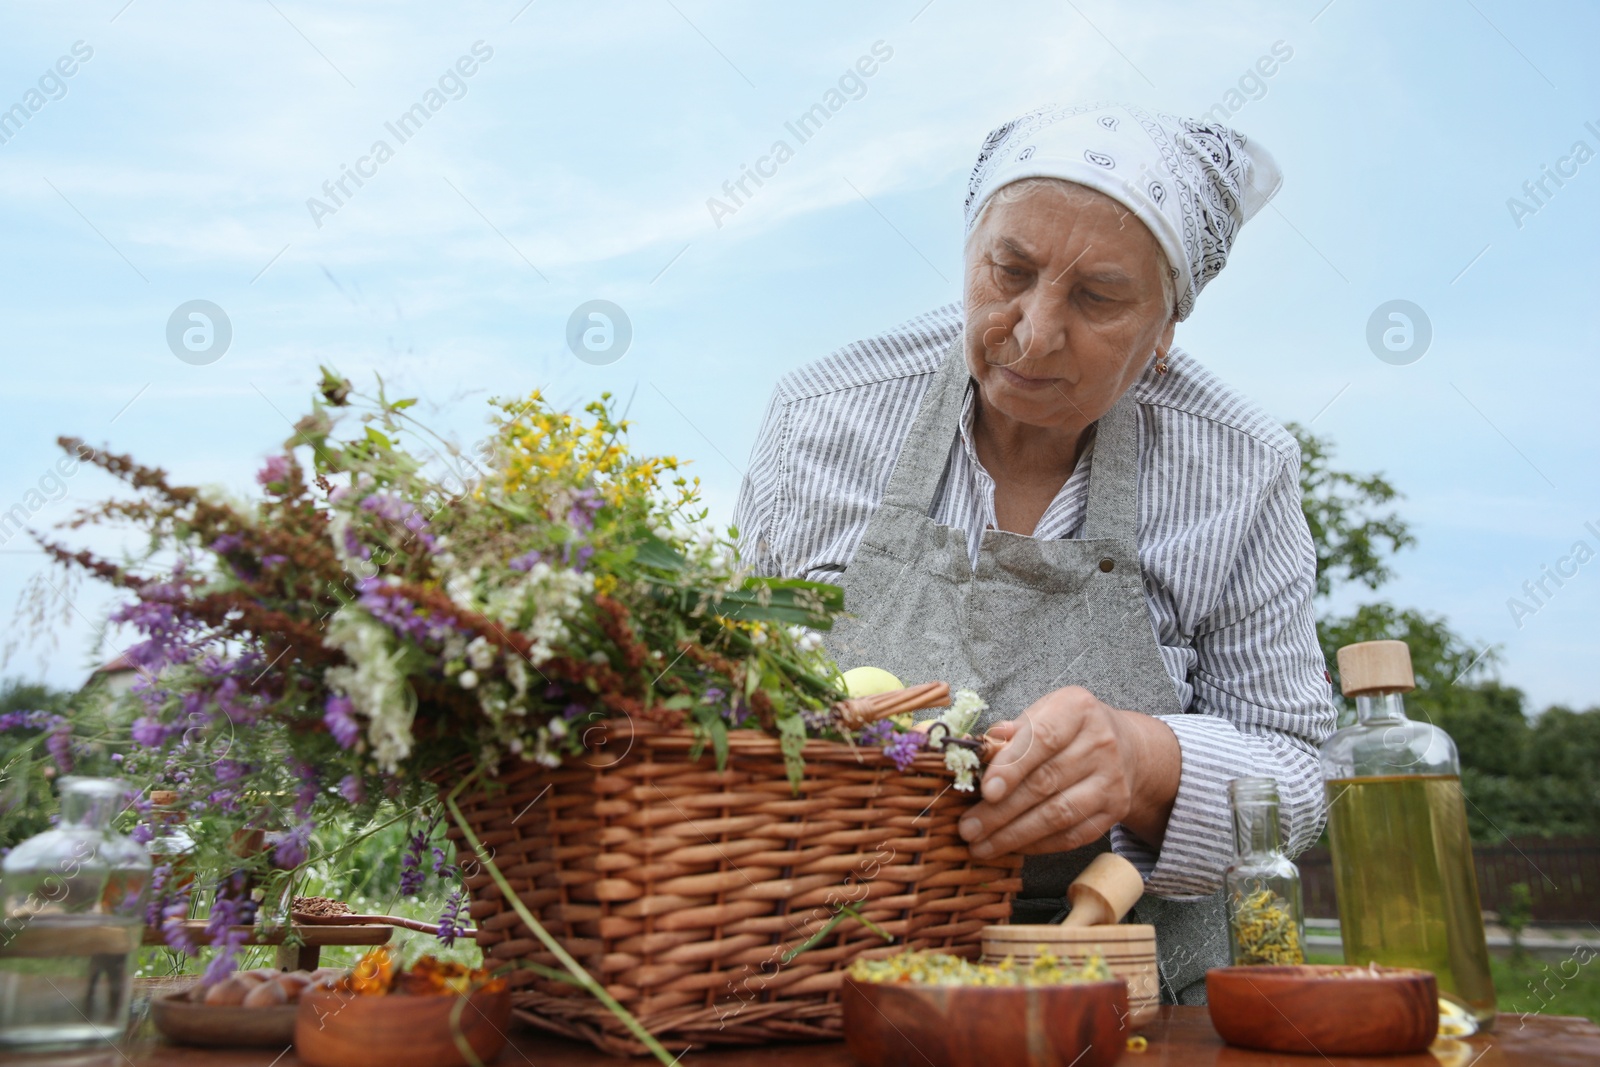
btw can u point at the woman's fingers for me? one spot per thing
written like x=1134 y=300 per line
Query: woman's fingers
x=1043 y=730
x=1059 y=823
x=1053 y=777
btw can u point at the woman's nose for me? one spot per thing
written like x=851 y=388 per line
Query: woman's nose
x=1043 y=328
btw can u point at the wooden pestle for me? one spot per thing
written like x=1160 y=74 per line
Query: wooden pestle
x=1104 y=892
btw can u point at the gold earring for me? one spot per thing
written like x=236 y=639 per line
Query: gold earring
x=1161 y=363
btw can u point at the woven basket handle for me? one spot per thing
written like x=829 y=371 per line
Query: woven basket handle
x=859 y=711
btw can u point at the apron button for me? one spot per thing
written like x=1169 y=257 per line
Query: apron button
x=1108 y=565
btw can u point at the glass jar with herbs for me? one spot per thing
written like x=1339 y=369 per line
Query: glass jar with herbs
x=1266 y=923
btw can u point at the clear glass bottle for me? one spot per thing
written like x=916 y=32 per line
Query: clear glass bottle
x=1266 y=921
x=1397 y=823
x=71 y=908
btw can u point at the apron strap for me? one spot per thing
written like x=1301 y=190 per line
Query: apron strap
x=926 y=451
x=1113 y=508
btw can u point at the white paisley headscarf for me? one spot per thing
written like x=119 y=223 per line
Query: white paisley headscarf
x=1192 y=183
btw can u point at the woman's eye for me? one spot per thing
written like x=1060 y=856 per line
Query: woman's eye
x=1012 y=272
x=1095 y=297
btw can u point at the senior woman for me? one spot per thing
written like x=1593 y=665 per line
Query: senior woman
x=1034 y=494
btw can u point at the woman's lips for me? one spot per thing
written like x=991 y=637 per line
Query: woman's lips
x=1022 y=381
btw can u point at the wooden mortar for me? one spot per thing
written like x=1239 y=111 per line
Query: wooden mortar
x=1106 y=890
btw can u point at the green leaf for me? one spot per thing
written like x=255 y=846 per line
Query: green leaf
x=719 y=742
x=378 y=438
x=792 y=740
x=401 y=405
x=658 y=555
x=790 y=601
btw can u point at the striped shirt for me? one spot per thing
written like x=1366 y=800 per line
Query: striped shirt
x=1229 y=566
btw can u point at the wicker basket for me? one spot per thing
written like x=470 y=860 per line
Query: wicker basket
x=681 y=888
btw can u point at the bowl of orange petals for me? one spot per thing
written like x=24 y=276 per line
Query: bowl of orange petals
x=379 y=1015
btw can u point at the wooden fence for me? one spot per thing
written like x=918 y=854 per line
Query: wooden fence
x=1563 y=876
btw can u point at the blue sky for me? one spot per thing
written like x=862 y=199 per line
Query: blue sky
x=576 y=160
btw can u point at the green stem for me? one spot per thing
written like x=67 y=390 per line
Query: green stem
x=582 y=976
x=847 y=911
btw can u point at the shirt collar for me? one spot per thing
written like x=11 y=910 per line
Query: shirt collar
x=1065 y=515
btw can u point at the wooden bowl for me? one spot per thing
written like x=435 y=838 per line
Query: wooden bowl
x=335 y=1029
x=1129 y=949
x=184 y=1022
x=904 y=1025
x=1334 y=1011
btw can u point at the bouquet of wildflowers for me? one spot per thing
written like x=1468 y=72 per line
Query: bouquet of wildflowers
x=394 y=613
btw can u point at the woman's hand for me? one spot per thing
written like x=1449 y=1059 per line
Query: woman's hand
x=1072 y=768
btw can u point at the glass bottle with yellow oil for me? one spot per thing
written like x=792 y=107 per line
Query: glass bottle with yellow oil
x=1397 y=821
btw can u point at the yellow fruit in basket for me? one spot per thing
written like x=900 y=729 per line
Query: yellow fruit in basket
x=870 y=681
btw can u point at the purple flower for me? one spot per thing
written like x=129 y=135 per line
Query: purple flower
x=306 y=794
x=227 y=957
x=28 y=720
x=273 y=559
x=394 y=508
x=353 y=546
x=228 y=542
x=577 y=558
x=58 y=741
x=817 y=721
x=450 y=923
x=580 y=515
x=441 y=864
x=411 y=871
x=876 y=733
x=526 y=561
x=151 y=732
x=275 y=469
x=230 y=770
x=231 y=916
x=340 y=717
x=290 y=849
x=400 y=614
x=167 y=633
x=350 y=788
x=902 y=748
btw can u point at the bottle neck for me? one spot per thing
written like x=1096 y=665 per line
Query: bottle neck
x=90 y=803
x=1380 y=707
x=1255 y=828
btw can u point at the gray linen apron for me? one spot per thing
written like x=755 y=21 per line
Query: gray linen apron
x=1035 y=616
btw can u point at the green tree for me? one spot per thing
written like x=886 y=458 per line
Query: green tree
x=1352 y=533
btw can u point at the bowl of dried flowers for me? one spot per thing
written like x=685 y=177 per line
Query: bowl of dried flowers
x=431 y=1014
x=930 y=1008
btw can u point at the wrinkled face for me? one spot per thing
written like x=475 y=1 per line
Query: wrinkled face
x=1064 y=304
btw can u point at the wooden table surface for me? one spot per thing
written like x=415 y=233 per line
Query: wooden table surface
x=1182 y=1037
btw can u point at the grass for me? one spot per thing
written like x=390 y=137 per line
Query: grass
x=1570 y=986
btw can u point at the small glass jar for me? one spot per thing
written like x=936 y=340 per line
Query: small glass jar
x=1266 y=922
x=71 y=906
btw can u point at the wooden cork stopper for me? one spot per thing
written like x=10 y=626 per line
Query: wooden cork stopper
x=163 y=798
x=1375 y=667
x=1104 y=892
